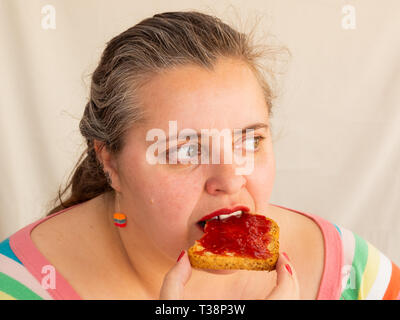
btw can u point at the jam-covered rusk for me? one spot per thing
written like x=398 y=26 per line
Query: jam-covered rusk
x=246 y=241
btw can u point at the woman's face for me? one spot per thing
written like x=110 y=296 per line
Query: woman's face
x=164 y=202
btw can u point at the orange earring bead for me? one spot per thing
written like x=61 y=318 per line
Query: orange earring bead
x=119 y=219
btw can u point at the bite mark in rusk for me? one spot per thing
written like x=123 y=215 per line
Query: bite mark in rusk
x=239 y=241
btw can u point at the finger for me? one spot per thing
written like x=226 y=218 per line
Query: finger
x=176 y=278
x=287 y=287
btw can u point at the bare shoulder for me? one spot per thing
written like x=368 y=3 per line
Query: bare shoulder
x=80 y=245
x=71 y=240
x=66 y=223
x=77 y=243
x=302 y=239
x=56 y=237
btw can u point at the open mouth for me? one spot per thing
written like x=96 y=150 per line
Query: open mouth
x=202 y=224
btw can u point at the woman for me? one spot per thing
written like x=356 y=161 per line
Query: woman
x=188 y=70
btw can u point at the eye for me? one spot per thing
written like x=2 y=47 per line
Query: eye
x=251 y=144
x=187 y=152
x=184 y=154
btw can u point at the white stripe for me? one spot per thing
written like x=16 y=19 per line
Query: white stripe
x=19 y=273
x=349 y=243
x=382 y=280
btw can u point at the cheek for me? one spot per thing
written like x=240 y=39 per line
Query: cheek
x=178 y=194
x=174 y=202
x=158 y=186
x=165 y=195
x=164 y=206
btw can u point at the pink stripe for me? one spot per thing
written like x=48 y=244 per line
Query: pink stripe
x=18 y=272
x=330 y=286
x=32 y=259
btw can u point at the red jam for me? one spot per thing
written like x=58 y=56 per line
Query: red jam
x=245 y=235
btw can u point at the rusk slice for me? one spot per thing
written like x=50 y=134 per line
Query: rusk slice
x=266 y=243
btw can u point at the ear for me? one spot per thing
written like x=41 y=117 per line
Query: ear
x=109 y=164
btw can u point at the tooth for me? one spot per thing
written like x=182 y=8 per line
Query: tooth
x=224 y=216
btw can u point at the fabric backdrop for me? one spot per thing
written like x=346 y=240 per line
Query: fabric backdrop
x=336 y=122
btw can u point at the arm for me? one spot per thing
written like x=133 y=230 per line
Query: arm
x=367 y=273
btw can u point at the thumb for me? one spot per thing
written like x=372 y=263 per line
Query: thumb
x=287 y=286
x=176 y=278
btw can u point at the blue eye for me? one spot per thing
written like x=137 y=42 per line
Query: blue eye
x=185 y=153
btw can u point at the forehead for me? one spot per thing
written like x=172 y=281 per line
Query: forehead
x=226 y=97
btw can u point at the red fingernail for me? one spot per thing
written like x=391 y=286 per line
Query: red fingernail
x=181 y=255
x=288 y=268
x=285 y=255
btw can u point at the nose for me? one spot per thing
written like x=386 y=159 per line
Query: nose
x=223 y=180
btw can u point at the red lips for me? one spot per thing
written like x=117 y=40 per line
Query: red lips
x=224 y=211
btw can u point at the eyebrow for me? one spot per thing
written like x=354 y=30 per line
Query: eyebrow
x=255 y=126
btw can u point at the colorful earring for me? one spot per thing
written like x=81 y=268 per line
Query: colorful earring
x=119 y=218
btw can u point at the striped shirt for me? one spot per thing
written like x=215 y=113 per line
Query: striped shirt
x=367 y=273
x=353 y=268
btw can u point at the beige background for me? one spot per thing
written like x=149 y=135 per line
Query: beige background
x=336 y=123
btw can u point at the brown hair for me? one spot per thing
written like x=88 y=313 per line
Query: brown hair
x=129 y=60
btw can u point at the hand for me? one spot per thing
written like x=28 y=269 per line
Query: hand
x=287 y=285
x=176 y=278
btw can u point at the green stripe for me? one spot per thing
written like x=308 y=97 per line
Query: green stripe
x=16 y=289
x=357 y=269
